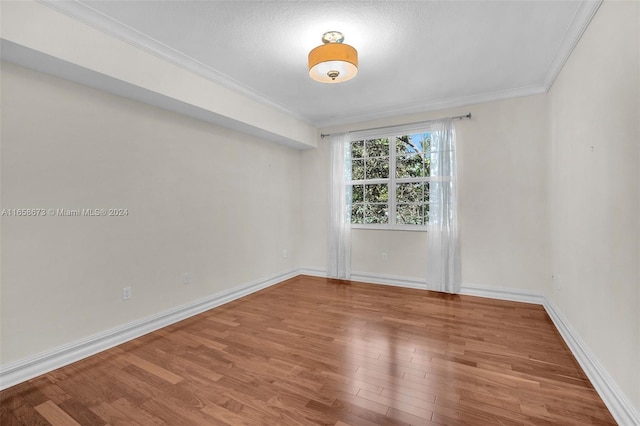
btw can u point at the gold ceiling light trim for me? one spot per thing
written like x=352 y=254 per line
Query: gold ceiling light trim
x=333 y=62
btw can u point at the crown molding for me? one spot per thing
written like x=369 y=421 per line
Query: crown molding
x=581 y=19
x=421 y=107
x=86 y=14
x=89 y=16
x=585 y=12
x=41 y=62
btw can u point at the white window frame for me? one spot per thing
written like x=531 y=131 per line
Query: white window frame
x=391 y=182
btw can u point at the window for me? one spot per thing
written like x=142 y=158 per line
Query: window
x=389 y=181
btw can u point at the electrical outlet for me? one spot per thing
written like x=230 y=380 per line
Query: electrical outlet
x=285 y=254
x=126 y=293
x=187 y=278
x=384 y=257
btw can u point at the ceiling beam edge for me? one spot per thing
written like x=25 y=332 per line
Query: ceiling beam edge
x=41 y=38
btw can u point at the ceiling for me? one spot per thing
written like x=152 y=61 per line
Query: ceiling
x=414 y=55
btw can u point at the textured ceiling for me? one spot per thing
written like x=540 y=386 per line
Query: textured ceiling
x=414 y=56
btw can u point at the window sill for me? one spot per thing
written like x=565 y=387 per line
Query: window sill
x=414 y=228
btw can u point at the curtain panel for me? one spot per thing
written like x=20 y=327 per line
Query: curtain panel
x=340 y=207
x=443 y=247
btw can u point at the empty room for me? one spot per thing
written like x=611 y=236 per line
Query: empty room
x=320 y=213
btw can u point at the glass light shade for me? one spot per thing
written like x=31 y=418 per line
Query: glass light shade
x=333 y=63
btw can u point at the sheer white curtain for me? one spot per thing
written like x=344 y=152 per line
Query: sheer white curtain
x=340 y=208
x=443 y=252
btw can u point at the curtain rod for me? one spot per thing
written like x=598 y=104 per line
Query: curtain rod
x=457 y=117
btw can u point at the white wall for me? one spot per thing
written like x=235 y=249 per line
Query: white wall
x=201 y=199
x=503 y=206
x=594 y=191
x=535 y=199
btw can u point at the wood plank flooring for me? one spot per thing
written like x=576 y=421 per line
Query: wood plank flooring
x=317 y=351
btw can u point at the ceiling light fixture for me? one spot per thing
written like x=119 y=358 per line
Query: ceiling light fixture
x=333 y=62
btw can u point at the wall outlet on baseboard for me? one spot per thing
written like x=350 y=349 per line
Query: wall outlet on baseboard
x=384 y=257
x=285 y=254
x=126 y=293
x=186 y=279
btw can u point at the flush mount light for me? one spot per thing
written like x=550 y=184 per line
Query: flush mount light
x=333 y=62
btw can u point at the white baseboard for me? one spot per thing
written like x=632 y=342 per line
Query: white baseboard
x=618 y=404
x=313 y=272
x=22 y=370
x=391 y=280
x=616 y=401
x=510 y=294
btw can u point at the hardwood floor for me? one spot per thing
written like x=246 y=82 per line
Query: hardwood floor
x=317 y=351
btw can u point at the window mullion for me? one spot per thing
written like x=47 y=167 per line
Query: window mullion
x=392 y=180
x=412 y=180
x=367 y=182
